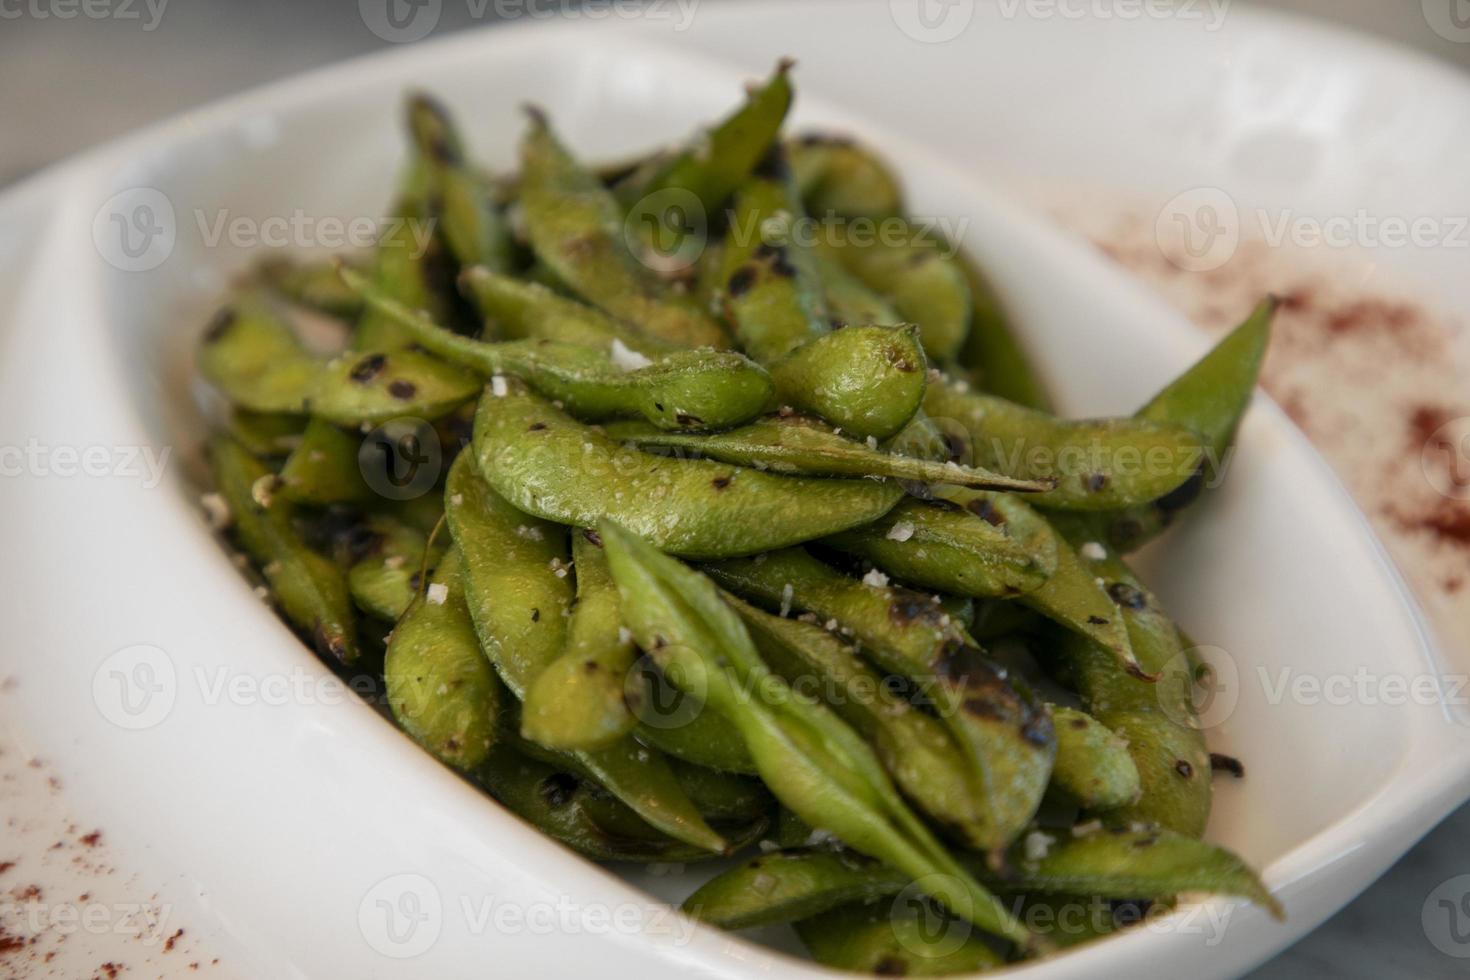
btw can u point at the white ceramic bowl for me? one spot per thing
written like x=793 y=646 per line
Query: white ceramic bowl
x=321 y=841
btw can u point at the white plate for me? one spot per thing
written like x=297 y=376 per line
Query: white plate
x=321 y=841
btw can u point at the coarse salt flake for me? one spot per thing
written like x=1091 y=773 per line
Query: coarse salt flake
x=876 y=579
x=498 y=387
x=901 y=531
x=438 y=593
x=627 y=359
x=1093 y=551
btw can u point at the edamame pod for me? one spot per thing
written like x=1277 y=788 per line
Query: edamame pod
x=1209 y=399
x=1141 y=864
x=693 y=735
x=576 y=228
x=1157 y=720
x=405 y=262
x=1006 y=737
x=938 y=545
x=469 y=219
x=722 y=795
x=914 y=747
x=440 y=686
x=849 y=300
x=251 y=354
x=309 y=588
x=866 y=380
x=520 y=309
x=1070 y=595
x=1099 y=464
x=546 y=464
x=812 y=762
x=839 y=176
x=796 y=444
x=266 y=434
x=786 y=886
x=312 y=284
x=566 y=808
x=368 y=388
x=323 y=468
x=1093 y=768
x=992 y=356
x=518 y=588
x=924 y=283
x=385 y=580
x=902 y=941
x=578 y=701
x=721 y=158
x=683 y=389
x=772 y=292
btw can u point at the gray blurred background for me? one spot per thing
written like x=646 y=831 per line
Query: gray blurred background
x=67 y=84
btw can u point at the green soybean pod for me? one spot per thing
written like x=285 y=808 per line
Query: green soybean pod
x=403 y=261
x=1208 y=399
x=920 y=278
x=683 y=389
x=952 y=549
x=386 y=578
x=576 y=228
x=1140 y=864
x=252 y=355
x=1006 y=737
x=1093 y=768
x=1099 y=464
x=471 y=222
x=722 y=158
x=440 y=687
x=812 y=762
x=723 y=795
x=849 y=300
x=546 y=464
x=785 y=886
x=579 y=701
x=520 y=309
x=993 y=357
x=378 y=386
x=842 y=177
x=693 y=735
x=323 y=467
x=570 y=810
x=772 y=293
x=312 y=284
x=798 y=445
x=865 y=380
x=896 y=941
x=266 y=434
x=924 y=761
x=519 y=590
x=1158 y=720
x=309 y=588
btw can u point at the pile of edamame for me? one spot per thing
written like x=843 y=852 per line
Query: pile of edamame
x=744 y=529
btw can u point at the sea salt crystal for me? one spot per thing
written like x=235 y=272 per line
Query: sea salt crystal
x=901 y=531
